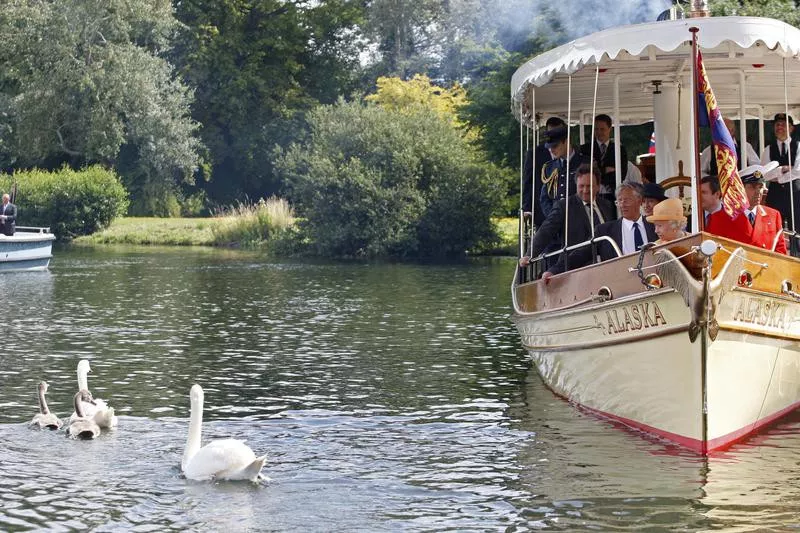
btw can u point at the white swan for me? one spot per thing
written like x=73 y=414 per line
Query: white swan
x=95 y=408
x=220 y=459
x=82 y=427
x=44 y=419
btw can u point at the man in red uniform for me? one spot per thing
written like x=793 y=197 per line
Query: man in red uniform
x=759 y=226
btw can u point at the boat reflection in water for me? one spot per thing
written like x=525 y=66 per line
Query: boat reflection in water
x=587 y=472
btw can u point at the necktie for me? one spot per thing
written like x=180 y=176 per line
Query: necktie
x=602 y=150
x=783 y=149
x=595 y=213
x=752 y=216
x=637 y=236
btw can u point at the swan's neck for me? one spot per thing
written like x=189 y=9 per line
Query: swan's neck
x=195 y=428
x=43 y=403
x=78 y=407
x=83 y=380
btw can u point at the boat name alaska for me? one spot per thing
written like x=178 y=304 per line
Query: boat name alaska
x=763 y=312
x=633 y=317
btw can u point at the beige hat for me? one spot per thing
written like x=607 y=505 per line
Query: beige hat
x=669 y=209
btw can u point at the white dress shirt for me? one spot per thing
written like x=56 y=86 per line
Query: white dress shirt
x=628 y=244
x=777 y=175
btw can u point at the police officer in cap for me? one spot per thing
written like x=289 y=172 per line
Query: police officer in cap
x=554 y=172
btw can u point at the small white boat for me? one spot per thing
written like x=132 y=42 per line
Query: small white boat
x=30 y=248
x=698 y=340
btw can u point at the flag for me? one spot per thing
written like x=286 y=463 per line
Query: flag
x=734 y=199
x=652 y=148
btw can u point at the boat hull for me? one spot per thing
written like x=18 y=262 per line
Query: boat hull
x=26 y=251
x=635 y=360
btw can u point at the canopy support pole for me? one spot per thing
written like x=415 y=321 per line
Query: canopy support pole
x=761 y=143
x=617 y=134
x=743 y=162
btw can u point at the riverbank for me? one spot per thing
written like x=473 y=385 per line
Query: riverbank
x=200 y=232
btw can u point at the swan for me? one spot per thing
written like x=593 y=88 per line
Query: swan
x=95 y=408
x=82 y=427
x=228 y=459
x=44 y=418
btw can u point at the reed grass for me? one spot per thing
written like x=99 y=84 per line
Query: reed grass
x=253 y=224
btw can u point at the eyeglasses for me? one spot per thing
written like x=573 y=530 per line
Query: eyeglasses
x=626 y=201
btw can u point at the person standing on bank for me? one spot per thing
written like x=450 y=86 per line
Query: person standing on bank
x=530 y=191
x=787 y=175
x=8 y=216
x=554 y=172
x=604 y=156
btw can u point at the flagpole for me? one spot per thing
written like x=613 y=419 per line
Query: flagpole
x=699 y=221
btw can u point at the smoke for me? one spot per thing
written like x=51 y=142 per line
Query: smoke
x=558 y=21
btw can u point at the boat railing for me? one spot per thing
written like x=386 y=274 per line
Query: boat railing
x=537 y=265
x=794 y=242
x=33 y=229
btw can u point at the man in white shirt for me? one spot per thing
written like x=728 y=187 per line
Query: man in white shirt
x=630 y=232
x=708 y=161
x=787 y=176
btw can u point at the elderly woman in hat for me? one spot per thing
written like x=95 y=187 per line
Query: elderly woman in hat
x=669 y=220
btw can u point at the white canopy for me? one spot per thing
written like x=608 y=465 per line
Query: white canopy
x=734 y=49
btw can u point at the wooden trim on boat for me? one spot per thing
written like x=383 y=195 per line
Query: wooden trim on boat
x=663 y=332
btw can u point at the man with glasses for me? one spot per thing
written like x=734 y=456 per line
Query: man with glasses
x=630 y=232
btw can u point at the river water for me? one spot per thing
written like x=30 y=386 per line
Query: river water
x=387 y=398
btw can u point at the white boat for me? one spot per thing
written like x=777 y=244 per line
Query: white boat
x=696 y=341
x=30 y=248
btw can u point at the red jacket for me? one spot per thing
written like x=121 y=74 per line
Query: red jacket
x=768 y=228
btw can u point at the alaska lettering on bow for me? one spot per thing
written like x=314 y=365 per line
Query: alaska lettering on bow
x=762 y=312
x=634 y=317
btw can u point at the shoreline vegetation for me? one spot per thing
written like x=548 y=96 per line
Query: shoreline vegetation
x=269 y=224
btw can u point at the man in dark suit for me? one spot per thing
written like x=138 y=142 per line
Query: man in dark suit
x=630 y=232
x=8 y=216
x=532 y=176
x=604 y=156
x=582 y=205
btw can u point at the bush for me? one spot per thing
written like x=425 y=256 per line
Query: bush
x=70 y=202
x=378 y=182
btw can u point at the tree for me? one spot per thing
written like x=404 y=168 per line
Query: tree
x=374 y=181
x=84 y=81
x=785 y=10
x=258 y=66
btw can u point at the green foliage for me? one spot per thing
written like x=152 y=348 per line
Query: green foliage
x=785 y=10
x=254 y=224
x=70 y=202
x=84 y=81
x=373 y=181
x=258 y=65
x=154 y=231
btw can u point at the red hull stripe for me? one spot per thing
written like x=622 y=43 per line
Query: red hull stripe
x=719 y=443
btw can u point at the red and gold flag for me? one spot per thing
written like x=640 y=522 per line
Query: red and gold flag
x=734 y=199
